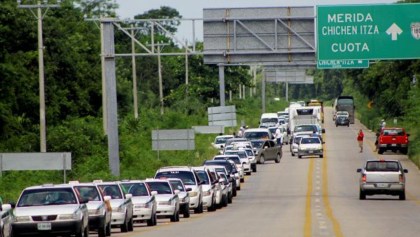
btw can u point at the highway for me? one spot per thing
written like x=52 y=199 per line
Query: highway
x=308 y=197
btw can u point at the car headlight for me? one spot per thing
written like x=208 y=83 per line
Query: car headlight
x=207 y=193
x=22 y=218
x=193 y=194
x=74 y=216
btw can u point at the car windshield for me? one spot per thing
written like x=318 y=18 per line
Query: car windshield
x=269 y=120
x=382 y=166
x=47 y=196
x=187 y=177
x=88 y=192
x=221 y=140
x=241 y=154
x=220 y=170
x=222 y=163
x=297 y=139
x=136 y=189
x=111 y=190
x=272 y=129
x=305 y=128
x=249 y=152
x=257 y=144
x=177 y=185
x=160 y=187
x=203 y=176
x=310 y=140
x=263 y=135
x=394 y=132
x=235 y=159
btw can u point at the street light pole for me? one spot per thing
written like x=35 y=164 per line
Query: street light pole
x=39 y=6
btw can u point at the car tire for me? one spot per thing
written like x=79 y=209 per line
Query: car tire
x=248 y=173
x=242 y=180
x=254 y=168
x=212 y=207
x=150 y=221
x=175 y=217
x=299 y=156
x=225 y=201
x=262 y=159
x=321 y=156
x=293 y=154
x=108 y=229
x=402 y=195
x=102 y=229
x=238 y=187
x=234 y=193
x=362 y=195
x=131 y=224
x=404 y=151
x=278 y=158
x=230 y=198
x=86 y=232
x=186 y=212
x=124 y=226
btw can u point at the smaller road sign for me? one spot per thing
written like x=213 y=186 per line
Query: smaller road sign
x=343 y=64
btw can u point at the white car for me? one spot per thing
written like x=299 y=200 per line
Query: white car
x=310 y=146
x=99 y=207
x=190 y=180
x=237 y=161
x=294 y=145
x=251 y=157
x=211 y=192
x=221 y=169
x=50 y=210
x=246 y=163
x=144 y=201
x=6 y=220
x=166 y=197
x=122 y=205
x=219 y=141
x=184 y=196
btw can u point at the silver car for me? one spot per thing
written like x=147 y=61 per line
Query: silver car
x=382 y=177
x=166 y=197
x=184 y=196
x=6 y=220
x=51 y=210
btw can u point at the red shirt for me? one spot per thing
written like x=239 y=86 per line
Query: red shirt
x=360 y=136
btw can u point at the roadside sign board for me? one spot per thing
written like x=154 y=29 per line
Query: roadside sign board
x=35 y=161
x=173 y=140
x=368 y=32
x=343 y=64
x=222 y=116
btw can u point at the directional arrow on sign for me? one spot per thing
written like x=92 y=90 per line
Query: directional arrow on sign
x=394 y=31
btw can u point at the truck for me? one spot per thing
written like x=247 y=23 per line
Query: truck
x=304 y=115
x=267 y=150
x=394 y=139
x=382 y=177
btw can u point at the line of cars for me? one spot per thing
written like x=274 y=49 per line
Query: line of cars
x=76 y=209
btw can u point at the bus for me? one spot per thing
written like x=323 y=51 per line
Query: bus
x=345 y=103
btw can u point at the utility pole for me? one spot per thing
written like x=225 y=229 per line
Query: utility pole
x=186 y=68
x=159 y=47
x=133 y=60
x=39 y=16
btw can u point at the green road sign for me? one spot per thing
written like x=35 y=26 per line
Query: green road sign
x=369 y=32
x=344 y=64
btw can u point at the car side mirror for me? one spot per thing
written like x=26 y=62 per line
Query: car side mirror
x=128 y=196
x=12 y=204
x=188 y=189
x=405 y=171
x=359 y=170
x=177 y=192
x=84 y=200
x=6 y=207
x=154 y=193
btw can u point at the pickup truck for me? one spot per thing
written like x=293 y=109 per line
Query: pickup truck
x=267 y=150
x=393 y=139
x=382 y=177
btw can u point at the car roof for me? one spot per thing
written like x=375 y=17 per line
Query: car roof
x=222 y=136
x=257 y=130
x=49 y=186
x=177 y=168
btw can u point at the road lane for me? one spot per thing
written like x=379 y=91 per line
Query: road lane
x=308 y=197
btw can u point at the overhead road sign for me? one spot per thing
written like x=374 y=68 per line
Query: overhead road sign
x=222 y=115
x=259 y=35
x=368 y=32
x=343 y=64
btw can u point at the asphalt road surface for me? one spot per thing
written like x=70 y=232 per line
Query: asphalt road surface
x=308 y=197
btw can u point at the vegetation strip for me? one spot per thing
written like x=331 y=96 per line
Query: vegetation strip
x=308 y=213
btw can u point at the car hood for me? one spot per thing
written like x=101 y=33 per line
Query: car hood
x=141 y=199
x=46 y=210
x=93 y=205
x=164 y=197
x=116 y=202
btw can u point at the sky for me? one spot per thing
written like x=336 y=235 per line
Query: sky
x=194 y=9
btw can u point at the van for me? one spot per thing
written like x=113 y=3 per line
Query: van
x=269 y=120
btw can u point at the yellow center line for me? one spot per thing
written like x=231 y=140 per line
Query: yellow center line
x=308 y=215
x=328 y=209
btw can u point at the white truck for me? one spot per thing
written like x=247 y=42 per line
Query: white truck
x=304 y=115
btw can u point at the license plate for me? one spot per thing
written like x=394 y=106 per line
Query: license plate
x=310 y=152
x=393 y=144
x=382 y=185
x=44 y=226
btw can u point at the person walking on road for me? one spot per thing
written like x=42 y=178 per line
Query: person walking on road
x=360 y=137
